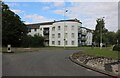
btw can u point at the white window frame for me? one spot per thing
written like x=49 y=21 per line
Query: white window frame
x=59 y=35
x=73 y=42
x=58 y=42
x=53 y=35
x=73 y=35
x=59 y=27
x=53 y=42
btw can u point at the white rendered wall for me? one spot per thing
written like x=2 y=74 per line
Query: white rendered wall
x=42 y=27
x=69 y=31
x=32 y=33
x=89 y=38
x=39 y=31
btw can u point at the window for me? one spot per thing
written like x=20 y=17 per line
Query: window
x=58 y=35
x=53 y=28
x=72 y=27
x=66 y=35
x=73 y=35
x=58 y=27
x=73 y=42
x=65 y=27
x=35 y=29
x=53 y=42
x=58 y=42
x=66 y=42
x=53 y=35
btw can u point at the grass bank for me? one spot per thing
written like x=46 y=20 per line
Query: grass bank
x=104 y=52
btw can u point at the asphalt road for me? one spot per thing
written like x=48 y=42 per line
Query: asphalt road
x=43 y=63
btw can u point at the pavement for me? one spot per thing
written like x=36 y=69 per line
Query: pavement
x=43 y=63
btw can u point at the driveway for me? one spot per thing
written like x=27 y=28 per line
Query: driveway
x=43 y=63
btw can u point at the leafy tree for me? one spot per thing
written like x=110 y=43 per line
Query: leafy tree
x=13 y=29
x=117 y=45
x=111 y=36
x=118 y=36
x=33 y=41
x=97 y=33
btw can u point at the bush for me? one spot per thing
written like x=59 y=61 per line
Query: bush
x=33 y=41
x=116 y=48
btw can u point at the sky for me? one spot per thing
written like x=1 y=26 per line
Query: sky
x=86 y=12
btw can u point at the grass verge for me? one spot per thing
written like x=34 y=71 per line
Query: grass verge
x=104 y=52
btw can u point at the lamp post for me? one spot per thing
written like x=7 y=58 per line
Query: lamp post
x=65 y=11
x=101 y=44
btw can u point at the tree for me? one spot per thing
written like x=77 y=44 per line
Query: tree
x=118 y=36
x=97 y=33
x=33 y=41
x=111 y=36
x=13 y=29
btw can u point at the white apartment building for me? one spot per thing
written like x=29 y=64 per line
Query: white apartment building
x=69 y=33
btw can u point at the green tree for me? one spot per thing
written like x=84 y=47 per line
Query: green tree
x=97 y=33
x=13 y=29
x=118 y=36
x=33 y=41
x=111 y=36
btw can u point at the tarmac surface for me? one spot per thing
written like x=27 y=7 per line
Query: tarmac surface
x=43 y=63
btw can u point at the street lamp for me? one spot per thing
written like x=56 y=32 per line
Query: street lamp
x=65 y=11
x=101 y=44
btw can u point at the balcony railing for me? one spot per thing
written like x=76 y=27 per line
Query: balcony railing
x=45 y=32
x=46 y=37
x=83 y=39
x=84 y=33
x=79 y=31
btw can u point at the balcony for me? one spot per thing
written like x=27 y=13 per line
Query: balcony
x=79 y=37
x=84 y=33
x=46 y=37
x=46 y=32
x=79 y=31
x=83 y=39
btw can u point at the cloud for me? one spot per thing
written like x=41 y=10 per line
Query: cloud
x=46 y=8
x=88 y=12
x=17 y=11
x=61 y=12
x=61 y=0
x=92 y=0
x=12 y=4
x=35 y=18
x=58 y=4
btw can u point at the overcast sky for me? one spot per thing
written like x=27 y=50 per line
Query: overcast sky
x=86 y=12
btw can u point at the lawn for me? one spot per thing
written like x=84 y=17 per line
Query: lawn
x=96 y=51
x=105 y=52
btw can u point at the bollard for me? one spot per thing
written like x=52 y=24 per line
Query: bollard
x=9 y=48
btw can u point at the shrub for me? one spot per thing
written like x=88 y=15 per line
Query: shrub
x=116 y=48
x=33 y=41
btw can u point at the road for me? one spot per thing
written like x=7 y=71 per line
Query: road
x=43 y=63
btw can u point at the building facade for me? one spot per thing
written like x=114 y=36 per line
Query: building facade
x=69 y=33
